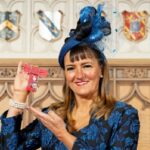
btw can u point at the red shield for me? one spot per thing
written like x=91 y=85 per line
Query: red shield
x=135 y=25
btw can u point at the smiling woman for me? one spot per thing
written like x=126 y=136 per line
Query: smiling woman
x=82 y=74
x=89 y=118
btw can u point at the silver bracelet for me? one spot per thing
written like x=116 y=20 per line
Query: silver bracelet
x=16 y=104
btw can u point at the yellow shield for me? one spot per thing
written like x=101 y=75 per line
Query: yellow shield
x=9 y=25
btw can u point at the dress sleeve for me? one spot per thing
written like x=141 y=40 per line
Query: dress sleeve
x=12 y=138
x=127 y=132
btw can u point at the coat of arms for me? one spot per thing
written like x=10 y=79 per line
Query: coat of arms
x=9 y=21
x=50 y=24
x=135 y=25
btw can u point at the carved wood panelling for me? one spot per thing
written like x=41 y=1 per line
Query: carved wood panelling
x=130 y=82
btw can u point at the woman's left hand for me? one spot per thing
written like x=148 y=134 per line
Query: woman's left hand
x=51 y=121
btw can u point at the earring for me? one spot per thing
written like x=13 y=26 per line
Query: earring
x=101 y=76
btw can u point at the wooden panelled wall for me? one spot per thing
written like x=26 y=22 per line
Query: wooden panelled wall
x=130 y=80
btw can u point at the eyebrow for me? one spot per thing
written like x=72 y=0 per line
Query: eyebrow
x=82 y=63
x=69 y=65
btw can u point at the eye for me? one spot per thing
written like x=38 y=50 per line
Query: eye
x=87 y=66
x=70 y=68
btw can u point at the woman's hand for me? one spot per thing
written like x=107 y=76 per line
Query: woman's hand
x=56 y=125
x=51 y=121
x=20 y=84
x=19 y=90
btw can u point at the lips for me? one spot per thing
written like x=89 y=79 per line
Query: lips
x=81 y=83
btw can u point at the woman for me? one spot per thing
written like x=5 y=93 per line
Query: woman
x=89 y=118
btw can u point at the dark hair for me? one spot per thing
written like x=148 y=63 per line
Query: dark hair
x=85 y=50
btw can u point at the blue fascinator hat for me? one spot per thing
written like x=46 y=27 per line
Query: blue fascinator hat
x=92 y=26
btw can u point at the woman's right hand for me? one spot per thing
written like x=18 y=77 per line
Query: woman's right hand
x=19 y=90
x=20 y=83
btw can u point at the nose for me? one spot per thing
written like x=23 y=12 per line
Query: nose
x=79 y=73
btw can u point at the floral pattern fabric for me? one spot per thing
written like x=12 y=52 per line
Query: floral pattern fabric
x=119 y=132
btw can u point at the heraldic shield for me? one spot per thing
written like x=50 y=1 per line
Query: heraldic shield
x=135 y=25
x=9 y=28
x=50 y=24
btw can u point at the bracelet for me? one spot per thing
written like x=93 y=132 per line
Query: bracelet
x=16 y=104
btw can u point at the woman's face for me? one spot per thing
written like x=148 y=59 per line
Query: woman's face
x=83 y=76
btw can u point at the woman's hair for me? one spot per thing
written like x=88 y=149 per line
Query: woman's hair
x=103 y=105
x=80 y=48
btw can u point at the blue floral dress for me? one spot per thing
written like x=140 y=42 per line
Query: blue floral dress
x=119 y=132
